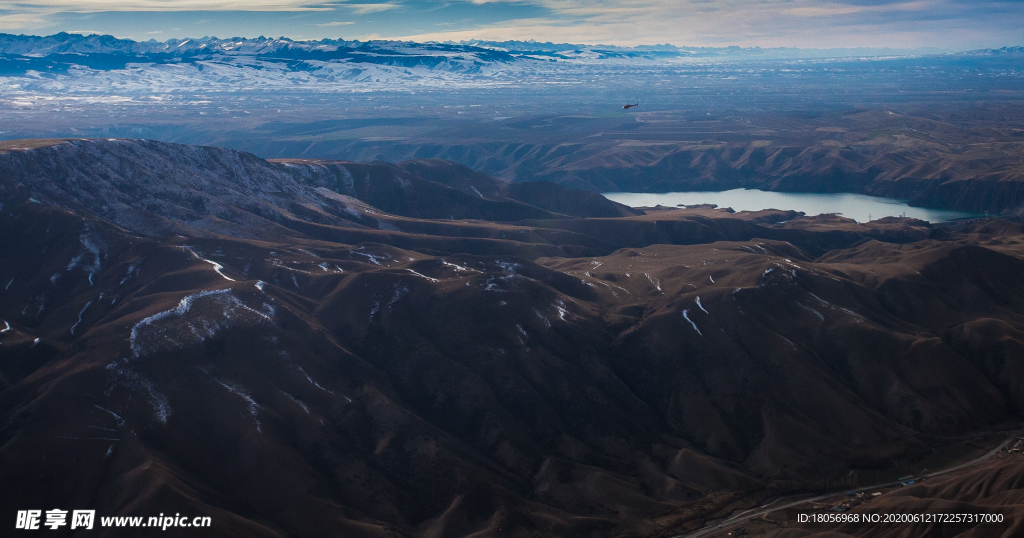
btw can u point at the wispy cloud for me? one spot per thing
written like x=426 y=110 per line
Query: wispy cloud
x=835 y=9
x=91 y=6
x=798 y=23
x=364 y=9
x=793 y=23
x=18 y=21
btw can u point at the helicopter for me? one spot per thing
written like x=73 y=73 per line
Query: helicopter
x=631 y=106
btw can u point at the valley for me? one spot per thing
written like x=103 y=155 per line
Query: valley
x=939 y=130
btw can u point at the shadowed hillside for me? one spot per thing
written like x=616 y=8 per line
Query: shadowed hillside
x=311 y=348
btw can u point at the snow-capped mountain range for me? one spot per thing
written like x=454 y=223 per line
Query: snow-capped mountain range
x=104 y=63
x=101 y=63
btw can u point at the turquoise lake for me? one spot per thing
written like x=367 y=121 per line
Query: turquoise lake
x=855 y=206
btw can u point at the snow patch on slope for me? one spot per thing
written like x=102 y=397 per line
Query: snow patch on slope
x=181 y=326
x=216 y=266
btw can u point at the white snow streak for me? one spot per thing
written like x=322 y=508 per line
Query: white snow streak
x=820 y=300
x=91 y=248
x=216 y=266
x=196 y=328
x=700 y=306
x=121 y=375
x=560 y=306
x=809 y=309
x=374 y=310
x=423 y=276
x=399 y=293
x=327 y=268
x=373 y=258
x=311 y=381
x=253 y=406
x=547 y=323
x=857 y=317
x=133 y=270
x=183 y=307
x=458 y=267
x=296 y=400
x=73 y=327
x=120 y=421
x=694 y=325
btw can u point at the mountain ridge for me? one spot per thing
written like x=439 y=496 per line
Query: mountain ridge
x=64 y=42
x=582 y=376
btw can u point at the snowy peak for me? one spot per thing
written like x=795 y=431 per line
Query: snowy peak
x=101 y=64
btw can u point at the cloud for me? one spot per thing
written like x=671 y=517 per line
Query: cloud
x=364 y=9
x=950 y=24
x=18 y=21
x=92 y=6
x=793 y=23
x=835 y=9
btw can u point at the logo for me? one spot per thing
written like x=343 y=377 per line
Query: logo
x=56 y=518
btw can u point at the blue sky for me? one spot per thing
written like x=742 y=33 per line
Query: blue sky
x=945 y=24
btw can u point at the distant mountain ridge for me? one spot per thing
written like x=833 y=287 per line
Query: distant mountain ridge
x=21 y=55
x=64 y=42
x=61 y=53
x=105 y=65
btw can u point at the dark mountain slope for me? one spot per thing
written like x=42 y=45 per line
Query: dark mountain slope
x=568 y=201
x=299 y=384
x=394 y=190
x=544 y=194
x=946 y=154
x=456 y=176
x=154 y=188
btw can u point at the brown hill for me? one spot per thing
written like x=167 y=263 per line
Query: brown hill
x=957 y=156
x=199 y=331
x=993 y=488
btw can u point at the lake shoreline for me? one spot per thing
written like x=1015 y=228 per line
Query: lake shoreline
x=859 y=207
